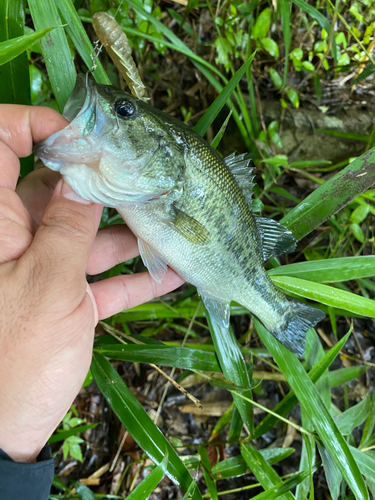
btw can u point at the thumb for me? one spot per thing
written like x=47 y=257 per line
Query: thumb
x=63 y=241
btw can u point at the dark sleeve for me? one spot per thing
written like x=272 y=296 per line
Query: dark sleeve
x=26 y=481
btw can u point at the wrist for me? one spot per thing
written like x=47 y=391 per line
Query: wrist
x=25 y=452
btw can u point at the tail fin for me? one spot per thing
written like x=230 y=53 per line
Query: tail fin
x=292 y=334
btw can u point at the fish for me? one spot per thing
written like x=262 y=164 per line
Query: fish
x=189 y=208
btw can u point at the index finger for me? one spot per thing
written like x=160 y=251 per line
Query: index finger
x=20 y=128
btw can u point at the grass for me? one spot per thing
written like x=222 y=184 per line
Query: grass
x=334 y=266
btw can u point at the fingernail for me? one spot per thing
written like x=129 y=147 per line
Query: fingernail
x=68 y=193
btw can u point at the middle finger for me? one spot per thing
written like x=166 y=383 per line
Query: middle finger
x=112 y=245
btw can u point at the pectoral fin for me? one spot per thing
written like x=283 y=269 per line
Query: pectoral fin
x=156 y=266
x=219 y=311
x=188 y=227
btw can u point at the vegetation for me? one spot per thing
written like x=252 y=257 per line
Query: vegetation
x=230 y=55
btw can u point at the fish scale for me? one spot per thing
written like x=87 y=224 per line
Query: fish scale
x=189 y=208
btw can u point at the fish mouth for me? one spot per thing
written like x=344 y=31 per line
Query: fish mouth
x=71 y=144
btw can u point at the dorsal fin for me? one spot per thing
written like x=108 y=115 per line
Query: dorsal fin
x=276 y=239
x=239 y=167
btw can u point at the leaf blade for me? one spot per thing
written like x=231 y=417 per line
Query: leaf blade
x=55 y=50
x=263 y=471
x=327 y=295
x=214 y=109
x=329 y=270
x=179 y=357
x=12 y=48
x=309 y=397
x=79 y=37
x=332 y=196
x=133 y=416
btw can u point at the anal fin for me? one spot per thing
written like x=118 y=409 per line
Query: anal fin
x=276 y=239
x=156 y=266
x=219 y=311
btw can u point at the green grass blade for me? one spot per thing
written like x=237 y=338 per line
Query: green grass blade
x=309 y=163
x=285 y=8
x=320 y=19
x=207 y=471
x=236 y=466
x=79 y=37
x=233 y=366
x=263 y=471
x=326 y=295
x=314 y=354
x=55 y=50
x=223 y=421
x=14 y=75
x=290 y=399
x=179 y=357
x=212 y=112
x=307 y=458
x=369 y=70
x=240 y=125
x=366 y=463
x=285 y=486
x=12 y=48
x=189 y=493
x=344 y=135
x=160 y=310
x=139 y=425
x=369 y=425
x=324 y=424
x=236 y=425
x=216 y=140
x=332 y=196
x=332 y=472
x=147 y=486
x=252 y=101
x=343 y=375
x=354 y=416
x=329 y=270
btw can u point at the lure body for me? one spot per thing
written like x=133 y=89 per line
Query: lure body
x=117 y=45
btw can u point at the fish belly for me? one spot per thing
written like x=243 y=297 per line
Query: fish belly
x=212 y=268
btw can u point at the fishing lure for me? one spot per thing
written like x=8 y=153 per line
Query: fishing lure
x=117 y=45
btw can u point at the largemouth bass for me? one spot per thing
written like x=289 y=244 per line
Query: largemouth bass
x=189 y=208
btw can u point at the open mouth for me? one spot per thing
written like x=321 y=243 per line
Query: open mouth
x=73 y=144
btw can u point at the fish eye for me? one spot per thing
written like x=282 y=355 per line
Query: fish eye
x=124 y=108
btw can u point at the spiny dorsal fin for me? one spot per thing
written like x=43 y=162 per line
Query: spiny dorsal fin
x=276 y=239
x=239 y=166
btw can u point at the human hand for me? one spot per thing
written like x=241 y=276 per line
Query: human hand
x=48 y=241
